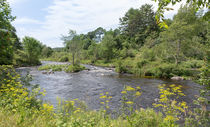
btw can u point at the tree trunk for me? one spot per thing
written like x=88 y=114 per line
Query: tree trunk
x=73 y=58
x=178 y=52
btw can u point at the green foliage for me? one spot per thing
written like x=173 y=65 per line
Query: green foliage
x=193 y=64
x=62 y=67
x=107 y=47
x=46 y=52
x=53 y=67
x=163 y=6
x=32 y=48
x=74 y=68
x=64 y=59
x=7 y=33
x=169 y=105
x=137 y=24
x=73 y=43
x=120 y=68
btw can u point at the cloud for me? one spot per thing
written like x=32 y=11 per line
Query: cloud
x=25 y=20
x=79 y=15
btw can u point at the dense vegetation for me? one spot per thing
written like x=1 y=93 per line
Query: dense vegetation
x=14 y=52
x=141 y=47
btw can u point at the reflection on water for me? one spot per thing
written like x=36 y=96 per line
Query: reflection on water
x=88 y=84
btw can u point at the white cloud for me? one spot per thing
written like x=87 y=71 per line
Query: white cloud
x=79 y=15
x=25 y=20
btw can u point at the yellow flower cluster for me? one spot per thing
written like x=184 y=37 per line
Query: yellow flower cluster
x=167 y=101
x=105 y=99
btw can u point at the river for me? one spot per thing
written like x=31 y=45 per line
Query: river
x=88 y=84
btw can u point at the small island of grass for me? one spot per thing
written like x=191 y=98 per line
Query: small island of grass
x=62 y=67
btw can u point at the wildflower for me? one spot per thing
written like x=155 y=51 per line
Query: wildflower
x=103 y=97
x=107 y=92
x=138 y=93
x=129 y=88
x=138 y=88
x=72 y=102
x=129 y=102
x=102 y=102
x=169 y=118
x=123 y=92
x=76 y=111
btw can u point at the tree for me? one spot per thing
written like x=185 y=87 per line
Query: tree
x=137 y=24
x=32 y=48
x=108 y=47
x=46 y=51
x=73 y=43
x=7 y=32
x=162 y=6
x=179 y=42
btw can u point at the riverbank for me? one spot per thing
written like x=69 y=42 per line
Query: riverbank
x=142 y=68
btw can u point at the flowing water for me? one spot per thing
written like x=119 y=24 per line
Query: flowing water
x=88 y=84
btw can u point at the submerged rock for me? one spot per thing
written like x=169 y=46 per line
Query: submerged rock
x=177 y=78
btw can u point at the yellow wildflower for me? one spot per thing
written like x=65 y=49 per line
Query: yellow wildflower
x=103 y=97
x=123 y=92
x=129 y=102
x=129 y=88
x=138 y=93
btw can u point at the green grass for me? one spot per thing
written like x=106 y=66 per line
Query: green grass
x=74 y=68
x=52 y=67
x=62 y=67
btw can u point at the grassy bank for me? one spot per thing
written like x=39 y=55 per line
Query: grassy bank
x=143 y=68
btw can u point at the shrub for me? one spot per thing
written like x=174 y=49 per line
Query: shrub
x=64 y=59
x=74 y=68
x=120 y=67
x=53 y=67
x=193 y=64
x=141 y=63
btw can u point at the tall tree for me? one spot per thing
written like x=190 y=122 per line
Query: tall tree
x=108 y=47
x=73 y=43
x=32 y=48
x=137 y=24
x=182 y=36
x=7 y=33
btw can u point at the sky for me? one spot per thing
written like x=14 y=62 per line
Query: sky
x=48 y=20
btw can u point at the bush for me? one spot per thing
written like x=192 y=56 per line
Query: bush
x=74 y=68
x=141 y=63
x=120 y=68
x=193 y=64
x=64 y=59
x=165 y=70
x=52 y=67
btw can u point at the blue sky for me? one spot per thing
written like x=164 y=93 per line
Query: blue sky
x=47 y=20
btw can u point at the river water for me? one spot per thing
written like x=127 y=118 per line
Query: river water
x=88 y=84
